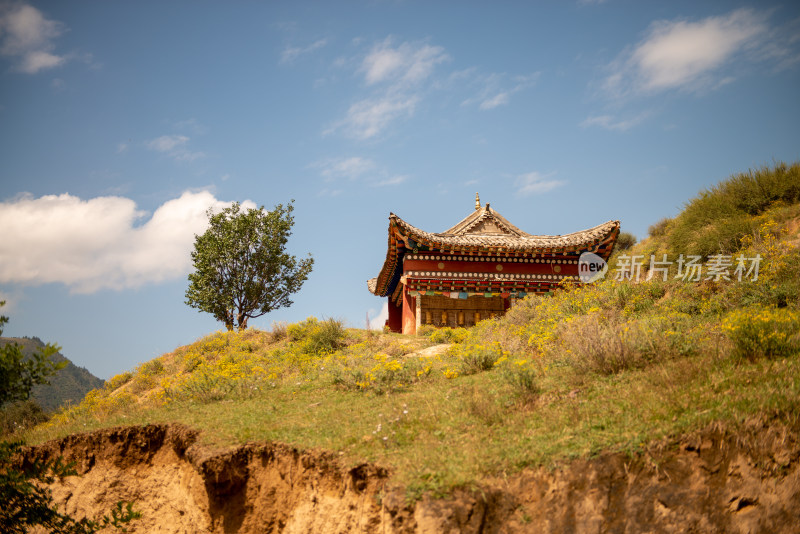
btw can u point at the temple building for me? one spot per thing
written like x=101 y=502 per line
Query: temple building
x=476 y=269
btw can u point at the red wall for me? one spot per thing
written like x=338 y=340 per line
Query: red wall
x=395 y=317
x=409 y=313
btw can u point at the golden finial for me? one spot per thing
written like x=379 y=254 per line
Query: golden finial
x=477 y=202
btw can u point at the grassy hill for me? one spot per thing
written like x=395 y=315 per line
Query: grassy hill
x=614 y=366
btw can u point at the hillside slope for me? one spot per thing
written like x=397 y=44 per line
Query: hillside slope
x=664 y=404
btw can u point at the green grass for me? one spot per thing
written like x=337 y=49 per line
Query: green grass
x=452 y=432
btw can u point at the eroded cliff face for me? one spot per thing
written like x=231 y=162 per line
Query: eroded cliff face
x=709 y=482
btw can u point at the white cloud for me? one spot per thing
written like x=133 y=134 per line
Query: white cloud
x=393 y=180
x=610 y=123
x=687 y=55
x=397 y=76
x=326 y=192
x=377 y=322
x=290 y=54
x=167 y=143
x=355 y=168
x=497 y=100
x=406 y=63
x=27 y=38
x=95 y=244
x=496 y=90
x=533 y=183
x=175 y=146
x=368 y=118
x=193 y=125
x=350 y=168
x=35 y=61
x=122 y=148
x=382 y=63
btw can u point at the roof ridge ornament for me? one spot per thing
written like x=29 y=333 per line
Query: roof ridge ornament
x=477 y=202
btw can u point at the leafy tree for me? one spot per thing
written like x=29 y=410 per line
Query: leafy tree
x=26 y=502
x=19 y=374
x=242 y=269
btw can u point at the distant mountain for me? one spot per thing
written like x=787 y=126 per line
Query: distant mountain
x=70 y=384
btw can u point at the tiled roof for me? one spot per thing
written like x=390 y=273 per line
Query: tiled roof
x=521 y=242
x=475 y=223
x=484 y=231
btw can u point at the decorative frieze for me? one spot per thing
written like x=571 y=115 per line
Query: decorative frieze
x=461 y=276
x=491 y=259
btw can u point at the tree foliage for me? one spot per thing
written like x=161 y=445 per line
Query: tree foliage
x=19 y=374
x=26 y=501
x=242 y=269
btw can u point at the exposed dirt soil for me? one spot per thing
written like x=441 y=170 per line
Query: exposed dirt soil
x=711 y=481
x=430 y=352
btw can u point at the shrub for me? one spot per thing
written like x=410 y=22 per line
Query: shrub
x=118 y=381
x=279 y=330
x=317 y=337
x=327 y=337
x=379 y=373
x=191 y=361
x=205 y=386
x=20 y=415
x=426 y=330
x=625 y=240
x=608 y=345
x=477 y=358
x=659 y=228
x=449 y=335
x=596 y=346
x=141 y=383
x=766 y=332
x=151 y=368
x=523 y=378
x=299 y=331
x=99 y=404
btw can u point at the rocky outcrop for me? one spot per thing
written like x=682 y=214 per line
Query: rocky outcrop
x=711 y=481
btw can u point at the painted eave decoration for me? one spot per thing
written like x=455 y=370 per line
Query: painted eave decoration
x=485 y=233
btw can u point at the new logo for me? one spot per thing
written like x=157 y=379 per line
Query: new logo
x=591 y=267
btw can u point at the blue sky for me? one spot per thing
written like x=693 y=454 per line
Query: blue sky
x=122 y=122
